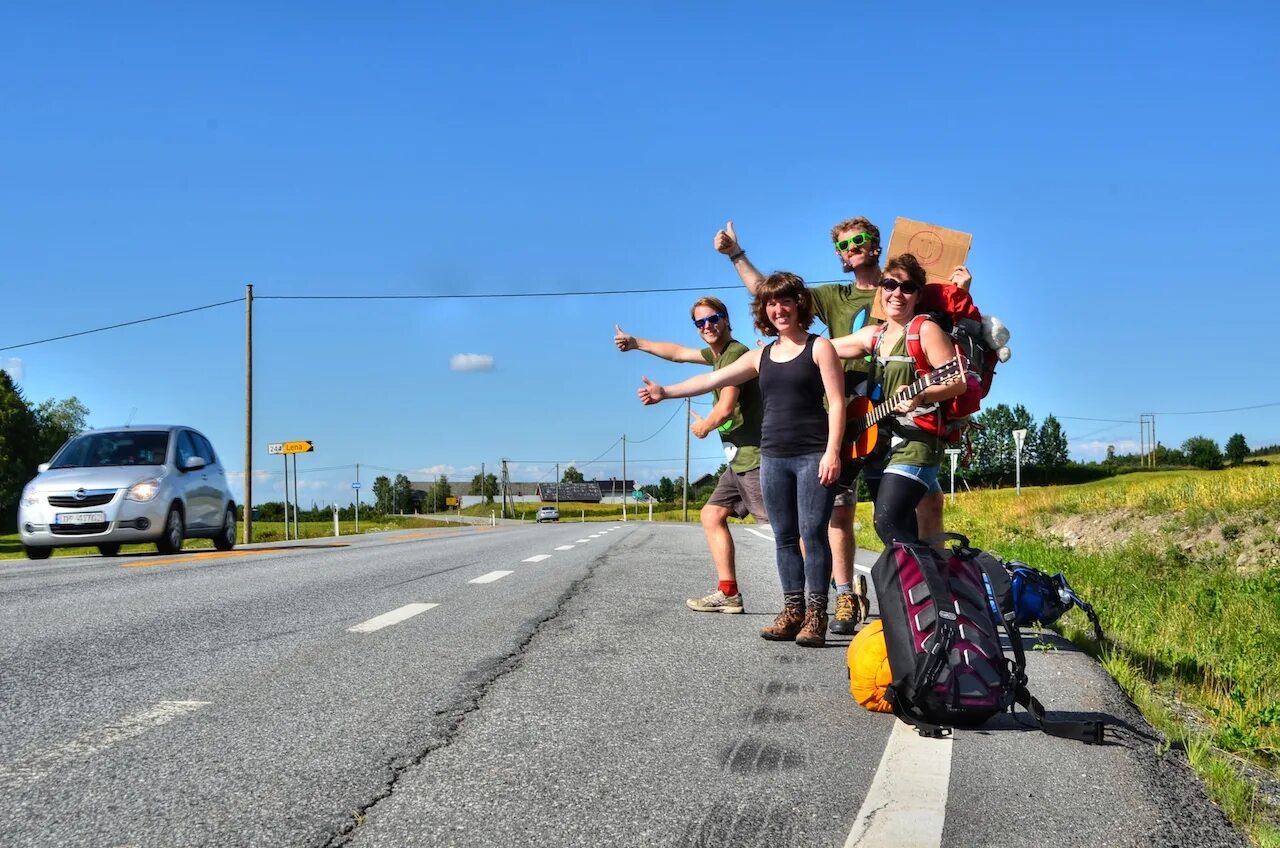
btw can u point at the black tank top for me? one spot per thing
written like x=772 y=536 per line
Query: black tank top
x=795 y=422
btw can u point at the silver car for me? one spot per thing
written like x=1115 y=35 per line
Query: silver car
x=127 y=485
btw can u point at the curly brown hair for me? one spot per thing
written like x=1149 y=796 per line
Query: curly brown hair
x=856 y=224
x=778 y=285
x=908 y=264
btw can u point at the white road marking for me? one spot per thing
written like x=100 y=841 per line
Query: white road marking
x=761 y=535
x=865 y=569
x=537 y=558
x=596 y=535
x=389 y=618
x=491 y=576
x=39 y=764
x=906 y=805
x=565 y=548
x=582 y=541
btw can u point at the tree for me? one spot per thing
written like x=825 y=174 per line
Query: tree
x=18 y=438
x=572 y=475
x=382 y=493
x=666 y=490
x=1202 y=452
x=1051 y=444
x=437 y=497
x=1237 y=449
x=57 y=421
x=486 y=488
x=401 y=494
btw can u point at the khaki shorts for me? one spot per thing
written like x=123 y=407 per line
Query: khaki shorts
x=740 y=494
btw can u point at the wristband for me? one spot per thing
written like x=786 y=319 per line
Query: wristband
x=735 y=257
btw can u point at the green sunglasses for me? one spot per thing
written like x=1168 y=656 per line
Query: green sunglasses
x=855 y=240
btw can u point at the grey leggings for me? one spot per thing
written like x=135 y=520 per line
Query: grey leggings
x=799 y=508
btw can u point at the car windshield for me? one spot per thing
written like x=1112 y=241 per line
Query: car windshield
x=127 y=447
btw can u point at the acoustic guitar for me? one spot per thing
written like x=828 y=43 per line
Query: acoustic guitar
x=862 y=420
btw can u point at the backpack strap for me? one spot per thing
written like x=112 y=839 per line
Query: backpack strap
x=915 y=348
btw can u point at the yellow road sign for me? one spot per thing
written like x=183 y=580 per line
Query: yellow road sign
x=298 y=447
x=450 y=501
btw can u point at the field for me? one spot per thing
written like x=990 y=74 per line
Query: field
x=1183 y=567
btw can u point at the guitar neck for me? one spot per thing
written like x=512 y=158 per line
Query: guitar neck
x=881 y=410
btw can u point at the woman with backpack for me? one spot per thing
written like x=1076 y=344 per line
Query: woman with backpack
x=910 y=450
x=799 y=445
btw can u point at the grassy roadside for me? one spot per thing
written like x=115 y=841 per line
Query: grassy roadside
x=263 y=531
x=1188 y=590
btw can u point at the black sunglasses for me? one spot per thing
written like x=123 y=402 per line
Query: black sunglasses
x=890 y=284
x=713 y=319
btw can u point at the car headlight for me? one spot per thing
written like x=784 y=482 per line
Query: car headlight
x=29 y=496
x=144 y=491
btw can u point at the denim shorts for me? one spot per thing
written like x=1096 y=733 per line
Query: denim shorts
x=925 y=474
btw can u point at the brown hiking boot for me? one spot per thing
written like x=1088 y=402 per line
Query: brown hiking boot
x=814 y=632
x=785 y=626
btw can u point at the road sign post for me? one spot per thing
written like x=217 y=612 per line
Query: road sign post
x=1018 y=436
x=954 y=453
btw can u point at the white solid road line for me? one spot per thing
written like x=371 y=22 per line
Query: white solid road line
x=389 y=618
x=865 y=569
x=906 y=805
x=537 y=558
x=70 y=753
x=565 y=548
x=491 y=576
x=761 y=535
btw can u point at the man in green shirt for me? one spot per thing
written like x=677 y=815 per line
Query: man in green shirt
x=737 y=414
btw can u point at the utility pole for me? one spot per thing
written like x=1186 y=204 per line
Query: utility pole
x=248 y=414
x=557 y=487
x=624 y=477
x=296 y=497
x=357 y=498
x=688 y=416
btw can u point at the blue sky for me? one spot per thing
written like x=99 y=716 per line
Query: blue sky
x=1115 y=164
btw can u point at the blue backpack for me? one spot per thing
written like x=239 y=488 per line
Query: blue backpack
x=1042 y=599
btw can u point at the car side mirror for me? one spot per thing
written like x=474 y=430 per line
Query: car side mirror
x=42 y=468
x=195 y=463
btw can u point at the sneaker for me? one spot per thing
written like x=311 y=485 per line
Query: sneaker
x=785 y=626
x=846 y=618
x=717 y=601
x=814 y=632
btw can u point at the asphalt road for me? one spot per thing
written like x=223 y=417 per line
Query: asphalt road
x=549 y=688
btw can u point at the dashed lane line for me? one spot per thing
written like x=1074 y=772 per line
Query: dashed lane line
x=39 y=764
x=537 y=558
x=907 y=803
x=389 y=618
x=491 y=576
x=582 y=541
x=565 y=548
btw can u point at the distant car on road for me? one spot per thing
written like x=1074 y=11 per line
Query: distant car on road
x=160 y=484
x=547 y=513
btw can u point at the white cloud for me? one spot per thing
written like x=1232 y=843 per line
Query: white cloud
x=436 y=471
x=1097 y=449
x=471 y=362
x=14 y=366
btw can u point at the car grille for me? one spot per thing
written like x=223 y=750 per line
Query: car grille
x=79 y=529
x=90 y=499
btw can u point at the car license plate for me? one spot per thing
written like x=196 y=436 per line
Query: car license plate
x=80 y=517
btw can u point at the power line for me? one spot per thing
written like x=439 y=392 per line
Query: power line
x=124 y=324
x=1216 y=411
x=660 y=429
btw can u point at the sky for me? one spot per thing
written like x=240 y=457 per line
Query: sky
x=505 y=163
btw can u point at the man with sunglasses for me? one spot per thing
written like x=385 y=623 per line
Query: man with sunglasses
x=845 y=308
x=737 y=414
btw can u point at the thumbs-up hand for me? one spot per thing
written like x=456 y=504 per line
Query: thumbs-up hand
x=622 y=341
x=727 y=240
x=699 y=428
x=650 y=393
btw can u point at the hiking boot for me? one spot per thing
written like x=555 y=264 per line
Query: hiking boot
x=717 y=601
x=785 y=626
x=814 y=632
x=846 y=618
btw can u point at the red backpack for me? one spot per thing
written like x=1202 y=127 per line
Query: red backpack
x=953 y=414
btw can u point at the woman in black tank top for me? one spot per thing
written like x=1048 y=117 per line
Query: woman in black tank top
x=799 y=447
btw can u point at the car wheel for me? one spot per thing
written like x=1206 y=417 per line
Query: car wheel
x=109 y=549
x=36 y=552
x=226 y=538
x=174 y=532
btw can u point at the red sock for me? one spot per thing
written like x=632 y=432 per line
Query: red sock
x=729 y=587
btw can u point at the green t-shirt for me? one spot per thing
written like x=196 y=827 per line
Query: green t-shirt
x=741 y=433
x=910 y=445
x=845 y=309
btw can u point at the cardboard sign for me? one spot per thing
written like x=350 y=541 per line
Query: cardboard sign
x=938 y=249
